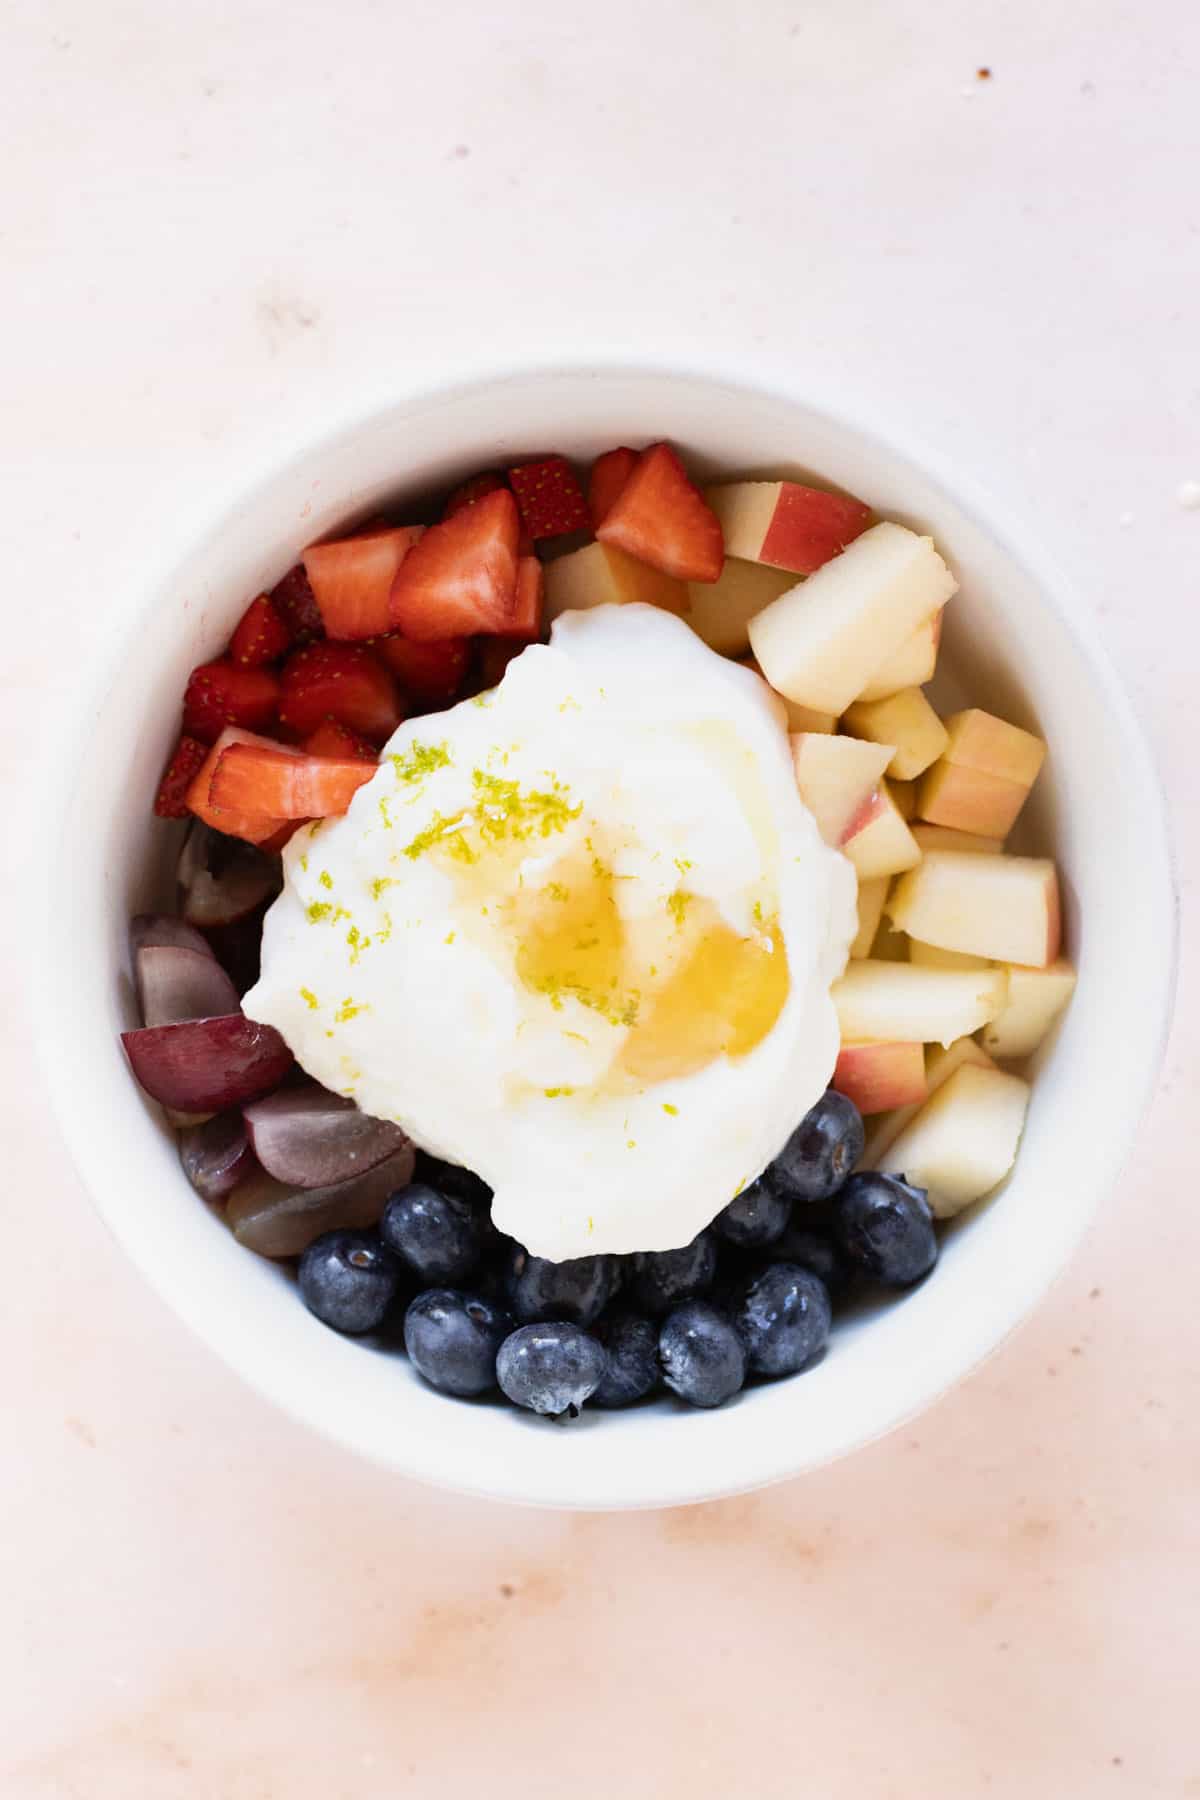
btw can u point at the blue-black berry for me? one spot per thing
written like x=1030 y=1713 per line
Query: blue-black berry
x=550 y=1368
x=348 y=1279
x=702 y=1356
x=631 y=1345
x=821 y=1151
x=886 y=1227
x=438 y=1235
x=758 y=1215
x=660 y=1279
x=453 y=1338
x=815 y=1249
x=577 y=1290
x=452 y=1178
x=784 y=1319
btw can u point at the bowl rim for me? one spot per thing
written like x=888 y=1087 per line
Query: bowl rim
x=247 y=488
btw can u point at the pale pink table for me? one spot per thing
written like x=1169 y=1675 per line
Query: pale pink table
x=222 y=227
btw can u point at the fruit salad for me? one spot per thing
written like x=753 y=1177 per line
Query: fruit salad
x=598 y=962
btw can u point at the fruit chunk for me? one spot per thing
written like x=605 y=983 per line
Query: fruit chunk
x=254 y=827
x=906 y=720
x=963 y=1141
x=979 y=740
x=164 y=928
x=434 y=670
x=187 y=759
x=332 y=739
x=601 y=575
x=549 y=498
x=912 y=665
x=838 y=779
x=342 y=682
x=250 y=779
x=879 y=1076
x=216 y=1155
x=351 y=580
x=898 y=1003
x=721 y=611
x=205 y=1065
x=274 y=1219
x=879 y=842
x=609 y=474
x=477 y=488
x=822 y=641
x=984 y=776
x=871 y=895
x=294 y=601
x=784 y=523
x=462 y=575
x=940 y=1064
x=311 y=1138
x=526 y=621
x=222 y=879
x=260 y=636
x=1003 y=907
x=939 y=837
x=661 y=517
x=1036 y=997
x=931 y=956
x=219 y=694
x=799 y=718
x=174 y=983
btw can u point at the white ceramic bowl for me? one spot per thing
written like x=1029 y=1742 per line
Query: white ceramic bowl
x=1016 y=640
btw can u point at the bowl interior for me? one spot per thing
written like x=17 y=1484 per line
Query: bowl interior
x=1012 y=643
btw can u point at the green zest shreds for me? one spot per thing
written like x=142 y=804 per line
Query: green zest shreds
x=558 y=1092
x=677 y=905
x=380 y=885
x=672 y=1110
x=418 y=761
x=357 y=942
x=318 y=911
x=503 y=812
x=310 y=999
x=349 y=1009
x=325 y=879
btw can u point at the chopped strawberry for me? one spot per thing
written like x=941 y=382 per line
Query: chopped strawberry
x=476 y=489
x=609 y=474
x=526 y=622
x=462 y=576
x=430 y=671
x=342 y=682
x=661 y=517
x=260 y=636
x=295 y=600
x=351 y=579
x=255 y=827
x=221 y=693
x=186 y=758
x=549 y=497
x=332 y=739
x=251 y=779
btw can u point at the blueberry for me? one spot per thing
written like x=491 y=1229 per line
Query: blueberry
x=577 y=1290
x=452 y=1340
x=821 y=1151
x=817 y=1251
x=758 y=1215
x=550 y=1368
x=451 y=1178
x=438 y=1235
x=631 y=1345
x=660 y=1279
x=702 y=1356
x=784 y=1319
x=348 y=1279
x=886 y=1227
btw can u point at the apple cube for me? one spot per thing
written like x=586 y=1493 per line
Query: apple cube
x=964 y=1140
x=871 y=896
x=979 y=740
x=838 y=778
x=1006 y=908
x=785 y=523
x=720 y=611
x=799 y=718
x=912 y=665
x=940 y=1064
x=899 y=1003
x=879 y=842
x=821 y=642
x=880 y=1076
x=1036 y=997
x=932 y=956
x=602 y=575
x=906 y=720
x=940 y=837
x=984 y=776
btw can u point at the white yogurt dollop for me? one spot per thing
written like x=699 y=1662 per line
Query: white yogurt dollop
x=577 y=935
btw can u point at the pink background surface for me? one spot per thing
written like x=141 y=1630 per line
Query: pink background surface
x=223 y=227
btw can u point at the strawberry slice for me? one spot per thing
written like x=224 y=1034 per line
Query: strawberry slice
x=332 y=739
x=477 y=488
x=531 y=594
x=260 y=636
x=549 y=498
x=342 y=682
x=295 y=601
x=255 y=827
x=462 y=576
x=351 y=579
x=249 y=778
x=186 y=758
x=430 y=671
x=609 y=474
x=661 y=517
x=220 y=694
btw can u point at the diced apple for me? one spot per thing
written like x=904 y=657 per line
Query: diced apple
x=799 y=718
x=879 y=842
x=963 y=1141
x=1003 y=907
x=785 y=523
x=932 y=956
x=979 y=740
x=940 y=837
x=838 y=778
x=602 y=575
x=821 y=642
x=879 y=1076
x=970 y=800
x=900 y=1003
x=941 y=1060
x=720 y=611
x=1036 y=997
x=871 y=896
x=906 y=720
x=912 y=665
x=904 y=793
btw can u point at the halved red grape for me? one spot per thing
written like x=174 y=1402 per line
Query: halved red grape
x=205 y=1065
x=174 y=984
x=274 y=1219
x=154 y=929
x=311 y=1138
x=221 y=878
x=216 y=1156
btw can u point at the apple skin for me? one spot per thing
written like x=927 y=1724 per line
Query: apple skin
x=979 y=740
x=880 y=1076
x=969 y=800
x=878 y=841
x=785 y=524
x=204 y=1065
x=838 y=779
